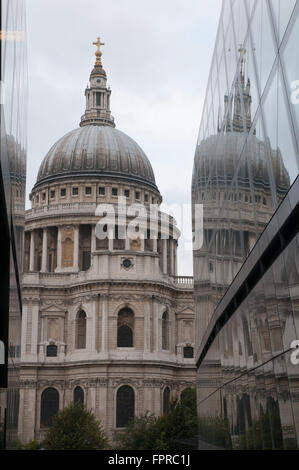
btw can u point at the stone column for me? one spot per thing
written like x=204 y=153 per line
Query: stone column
x=45 y=251
x=155 y=245
x=93 y=239
x=147 y=326
x=94 y=344
x=32 y=251
x=76 y=247
x=34 y=328
x=164 y=256
x=110 y=238
x=157 y=327
x=59 y=249
x=104 y=323
x=171 y=246
x=24 y=327
x=89 y=329
x=127 y=243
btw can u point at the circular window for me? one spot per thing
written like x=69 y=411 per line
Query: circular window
x=127 y=263
x=99 y=81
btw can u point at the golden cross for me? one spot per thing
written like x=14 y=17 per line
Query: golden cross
x=98 y=52
x=98 y=44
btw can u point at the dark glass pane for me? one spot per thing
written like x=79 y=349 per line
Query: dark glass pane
x=188 y=352
x=125 y=406
x=78 y=395
x=81 y=331
x=86 y=260
x=165 y=331
x=124 y=337
x=49 y=406
x=51 y=350
x=166 y=400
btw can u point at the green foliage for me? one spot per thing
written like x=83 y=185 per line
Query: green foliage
x=75 y=428
x=215 y=430
x=148 y=432
x=31 y=445
x=140 y=434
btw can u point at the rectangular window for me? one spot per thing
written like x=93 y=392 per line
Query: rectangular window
x=114 y=191
x=44 y=196
x=137 y=195
x=88 y=190
x=127 y=192
x=75 y=191
x=63 y=192
x=146 y=198
x=98 y=98
x=52 y=194
x=86 y=258
x=101 y=191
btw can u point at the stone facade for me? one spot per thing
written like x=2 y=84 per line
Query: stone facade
x=79 y=291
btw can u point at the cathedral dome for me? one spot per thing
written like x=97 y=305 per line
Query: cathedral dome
x=96 y=151
x=234 y=147
x=219 y=155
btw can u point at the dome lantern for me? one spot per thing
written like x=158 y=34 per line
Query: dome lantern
x=97 y=150
x=97 y=94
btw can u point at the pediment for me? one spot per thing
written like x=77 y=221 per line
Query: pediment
x=52 y=309
x=186 y=311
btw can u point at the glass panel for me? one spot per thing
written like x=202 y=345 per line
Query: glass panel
x=226 y=14
x=78 y=395
x=250 y=81
x=230 y=56
x=262 y=42
x=240 y=21
x=166 y=400
x=282 y=12
x=278 y=128
x=125 y=406
x=49 y=406
x=291 y=67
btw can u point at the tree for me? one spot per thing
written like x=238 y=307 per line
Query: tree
x=141 y=433
x=148 y=432
x=75 y=428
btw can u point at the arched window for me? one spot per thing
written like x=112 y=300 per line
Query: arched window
x=51 y=350
x=188 y=352
x=125 y=406
x=81 y=330
x=49 y=406
x=78 y=395
x=125 y=328
x=165 y=333
x=166 y=399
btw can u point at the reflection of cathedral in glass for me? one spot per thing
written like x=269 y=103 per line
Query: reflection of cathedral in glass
x=12 y=212
x=227 y=185
x=246 y=275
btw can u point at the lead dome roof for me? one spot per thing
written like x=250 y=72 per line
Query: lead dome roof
x=96 y=151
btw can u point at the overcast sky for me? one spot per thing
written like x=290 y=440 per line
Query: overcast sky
x=157 y=57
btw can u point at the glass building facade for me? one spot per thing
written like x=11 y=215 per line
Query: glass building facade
x=246 y=274
x=12 y=209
